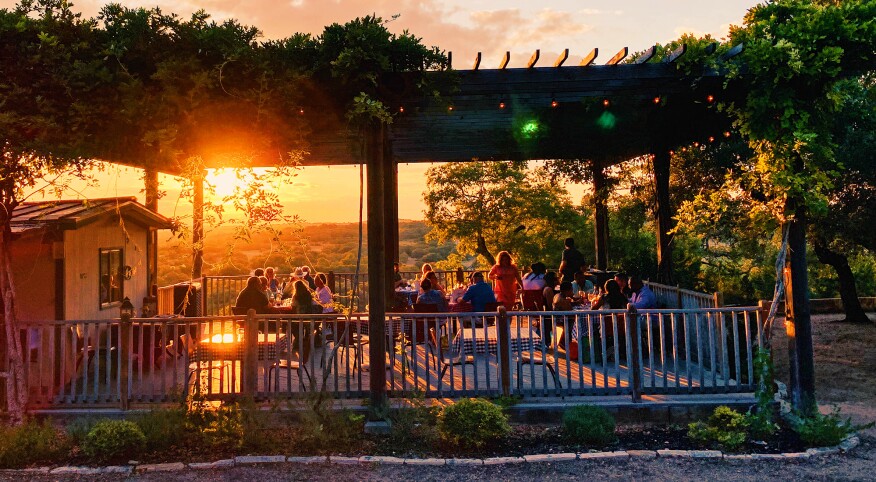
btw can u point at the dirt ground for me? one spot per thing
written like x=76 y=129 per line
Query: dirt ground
x=845 y=365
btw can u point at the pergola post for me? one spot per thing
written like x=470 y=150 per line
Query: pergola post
x=600 y=220
x=798 y=325
x=150 y=178
x=376 y=164
x=198 y=226
x=390 y=217
x=664 y=216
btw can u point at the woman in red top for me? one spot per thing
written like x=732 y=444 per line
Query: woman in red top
x=507 y=279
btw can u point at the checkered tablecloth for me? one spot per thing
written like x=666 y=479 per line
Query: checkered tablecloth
x=393 y=326
x=465 y=344
x=207 y=351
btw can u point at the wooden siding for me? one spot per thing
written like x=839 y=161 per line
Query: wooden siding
x=34 y=269
x=81 y=249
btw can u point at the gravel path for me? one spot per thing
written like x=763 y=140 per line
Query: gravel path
x=857 y=465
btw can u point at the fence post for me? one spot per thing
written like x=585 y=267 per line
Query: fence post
x=635 y=363
x=719 y=299
x=126 y=312
x=503 y=327
x=331 y=281
x=678 y=298
x=250 y=354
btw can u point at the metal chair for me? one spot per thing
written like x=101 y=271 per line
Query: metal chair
x=287 y=364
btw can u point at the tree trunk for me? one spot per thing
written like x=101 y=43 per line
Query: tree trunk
x=12 y=363
x=798 y=324
x=847 y=289
x=484 y=251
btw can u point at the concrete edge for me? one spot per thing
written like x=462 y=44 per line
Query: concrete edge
x=849 y=443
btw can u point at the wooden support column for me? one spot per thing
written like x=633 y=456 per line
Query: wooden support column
x=375 y=163
x=390 y=217
x=198 y=227
x=600 y=221
x=150 y=178
x=798 y=325
x=664 y=216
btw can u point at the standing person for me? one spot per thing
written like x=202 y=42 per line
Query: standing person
x=572 y=260
x=507 y=279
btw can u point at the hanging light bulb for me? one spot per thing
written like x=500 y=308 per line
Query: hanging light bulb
x=554 y=103
x=657 y=100
x=501 y=104
x=605 y=103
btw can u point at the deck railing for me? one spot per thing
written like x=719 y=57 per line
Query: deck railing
x=98 y=363
x=217 y=294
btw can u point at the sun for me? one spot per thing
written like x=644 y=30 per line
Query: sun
x=224 y=182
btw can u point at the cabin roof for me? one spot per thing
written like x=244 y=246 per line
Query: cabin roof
x=68 y=214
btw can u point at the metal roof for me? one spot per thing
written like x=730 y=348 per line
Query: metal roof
x=75 y=213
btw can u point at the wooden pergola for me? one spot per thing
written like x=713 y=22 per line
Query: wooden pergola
x=598 y=114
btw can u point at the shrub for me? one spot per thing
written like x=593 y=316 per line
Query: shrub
x=414 y=424
x=824 y=430
x=114 y=440
x=472 y=423
x=726 y=427
x=589 y=425
x=31 y=443
x=163 y=428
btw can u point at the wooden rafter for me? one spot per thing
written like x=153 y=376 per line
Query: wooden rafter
x=533 y=60
x=504 y=63
x=590 y=58
x=676 y=54
x=646 y=56
x=733 y=52
x=562 y=58
x=622 y=54
x=477 y=63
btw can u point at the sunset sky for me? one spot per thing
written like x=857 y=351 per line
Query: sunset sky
x=463 y=27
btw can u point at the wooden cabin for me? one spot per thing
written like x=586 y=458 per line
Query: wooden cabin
x=78 y=259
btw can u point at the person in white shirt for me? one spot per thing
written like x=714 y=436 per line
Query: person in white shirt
x=323 y=294
x=643 y=298
x=534 y=280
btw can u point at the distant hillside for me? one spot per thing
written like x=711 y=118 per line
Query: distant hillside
x=324 y=246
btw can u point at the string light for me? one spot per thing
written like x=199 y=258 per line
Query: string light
x=301 y=111
x=501 y=104
x=710 y=98
x=450 y=108
x=726 y=133
x=657 y=100
x=711 y=138
x=401 y=109
x=605 y=103
x=554 y=103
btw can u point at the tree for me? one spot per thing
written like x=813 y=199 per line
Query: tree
x=51 y=76
x=796 y=53
x=491 y=206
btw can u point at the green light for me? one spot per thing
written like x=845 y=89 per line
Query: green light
x=530 y=129
x=607 y=120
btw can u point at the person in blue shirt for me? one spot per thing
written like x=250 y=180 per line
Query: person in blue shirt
x=479 y=293
x=643 y=298
x=432 y=296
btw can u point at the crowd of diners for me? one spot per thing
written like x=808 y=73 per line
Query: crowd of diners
x=302 y=292
x=538 y=289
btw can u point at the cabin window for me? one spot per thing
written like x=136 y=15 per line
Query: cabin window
x=112 y=262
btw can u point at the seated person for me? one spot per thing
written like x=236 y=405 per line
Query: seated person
x=397 y=281
x=302 y=300
x=252 y=297
x=534 y=280
x=305 y=270
x=266 y=288
x=479 y=293
x=433 y=280
x=562 y=300
x=323 y=294
x=457 y=293
x=643 y=298
x=612 y=299
x=624 y=282
x=581 y=286
x=258 y=272
x=550 y=282
x=273 y=282
x=432 y=296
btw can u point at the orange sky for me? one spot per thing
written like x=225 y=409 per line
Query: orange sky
x=330 y=194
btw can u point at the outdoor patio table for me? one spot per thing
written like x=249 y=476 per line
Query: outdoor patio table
x=465 y=344
x=229 y=347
